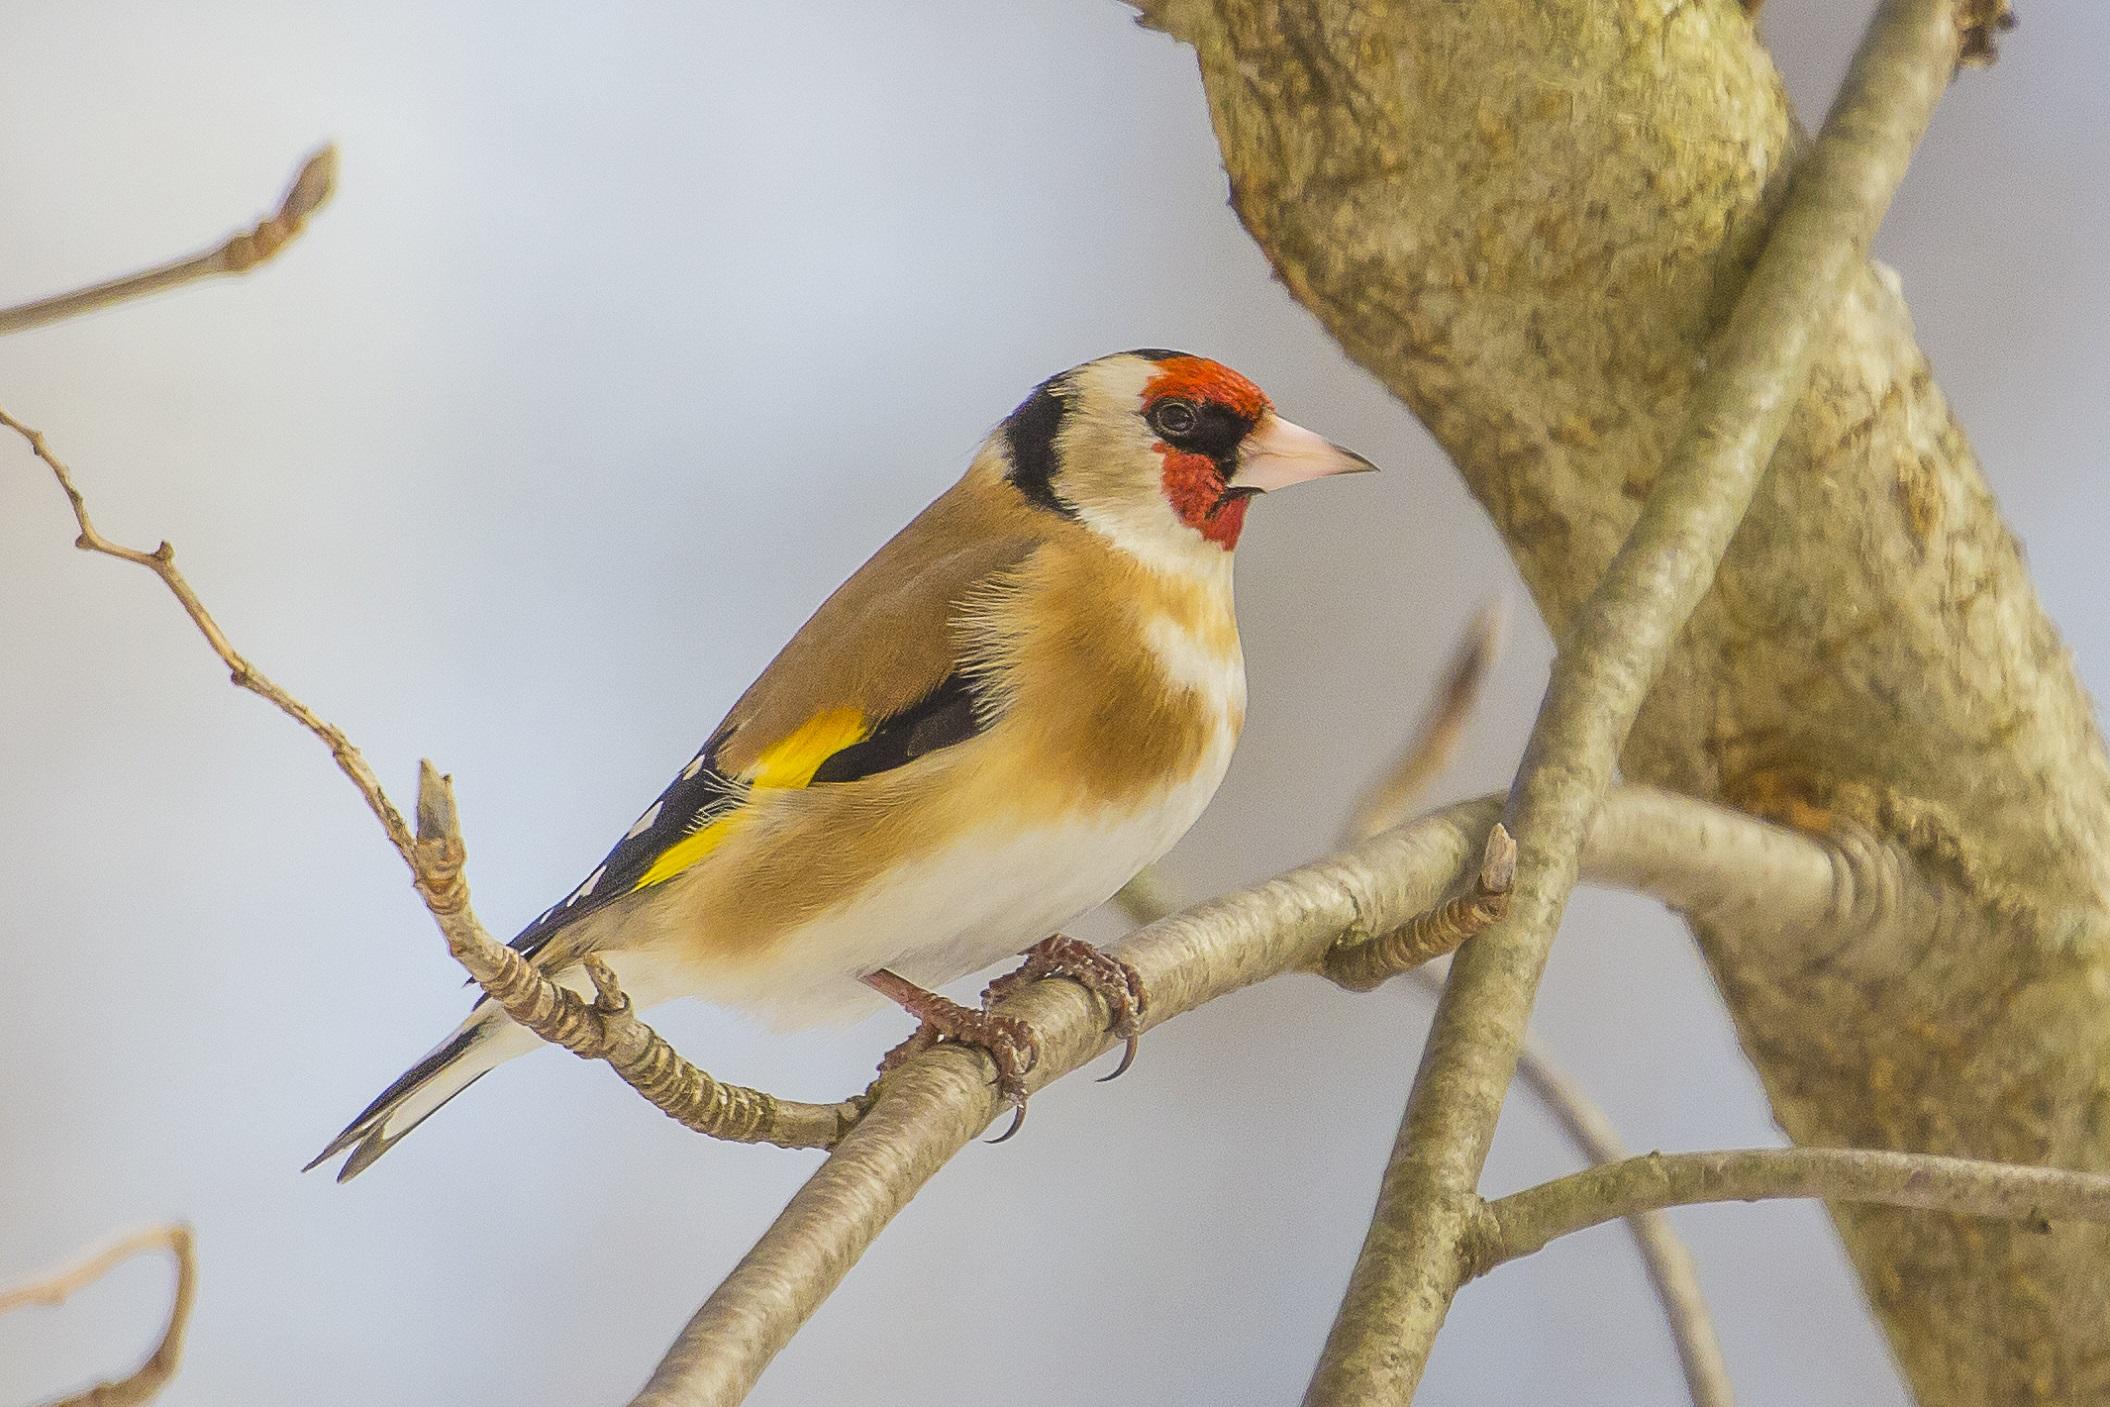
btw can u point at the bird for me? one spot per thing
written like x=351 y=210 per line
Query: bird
x=1024 y=698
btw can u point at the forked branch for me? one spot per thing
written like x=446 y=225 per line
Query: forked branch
x=1699 y=858
x=1409 y=1267
x=1588 y=1128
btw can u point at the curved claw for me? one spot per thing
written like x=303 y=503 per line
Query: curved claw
x=1128 y=1058
x=1115 y=982
x=1018 y=1121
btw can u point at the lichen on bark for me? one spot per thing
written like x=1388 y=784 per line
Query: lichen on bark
x=1528 y=220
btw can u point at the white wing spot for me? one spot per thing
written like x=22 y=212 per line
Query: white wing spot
x=587 y=888
x=688 y=773
x=643 y=823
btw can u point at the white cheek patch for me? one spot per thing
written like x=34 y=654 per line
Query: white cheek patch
x=1153 y=535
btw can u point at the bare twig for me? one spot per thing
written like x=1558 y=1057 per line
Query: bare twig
x=1363 y=966
x=605 y=1028
x=147 y=1380
x=434 y=854
x=1429 y=751
x=1409 y=1267
x=1524 y=1222
x=237 y=254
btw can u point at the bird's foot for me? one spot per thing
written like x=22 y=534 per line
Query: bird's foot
x=1117 y=984
x=1008 y=1042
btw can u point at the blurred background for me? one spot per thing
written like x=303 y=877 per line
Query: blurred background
x=633 y=329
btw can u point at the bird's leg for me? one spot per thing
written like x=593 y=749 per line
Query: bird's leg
x=1009 y=1042
x=1117 y=984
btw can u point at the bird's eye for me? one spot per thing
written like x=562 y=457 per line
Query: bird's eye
x=1173 y=417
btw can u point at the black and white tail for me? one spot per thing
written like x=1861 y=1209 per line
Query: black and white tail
x=478 y=1046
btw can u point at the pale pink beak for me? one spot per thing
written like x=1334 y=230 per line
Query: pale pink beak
x=1279 y=453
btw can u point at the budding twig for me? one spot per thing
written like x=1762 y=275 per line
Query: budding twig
x=237 y=254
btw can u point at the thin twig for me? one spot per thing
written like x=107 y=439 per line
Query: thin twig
x=146 y=1381
x=1524 y=1222
x=1392 y=799
x=1409 y=1267
x=435 y=853
x=237 y=254
x=1363 y=966
x=1664 y=1258
x=606 y=1028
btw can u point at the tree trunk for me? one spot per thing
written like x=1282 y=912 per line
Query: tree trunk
x=1527 y=217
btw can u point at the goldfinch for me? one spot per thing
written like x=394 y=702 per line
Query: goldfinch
x=1024 y=698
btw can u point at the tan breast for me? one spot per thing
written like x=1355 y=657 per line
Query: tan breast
x=1122 y=685
x=1121 y=679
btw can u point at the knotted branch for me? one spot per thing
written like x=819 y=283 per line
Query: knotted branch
x=606 y=1028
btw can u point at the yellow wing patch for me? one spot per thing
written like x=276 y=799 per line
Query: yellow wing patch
x=792 y=760
x=688 y=850
x=785 y=765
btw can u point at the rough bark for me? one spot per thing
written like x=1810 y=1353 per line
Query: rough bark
x=1528 y=219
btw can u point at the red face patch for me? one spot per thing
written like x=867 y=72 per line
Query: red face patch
x=1196 y=492
x=1194 y=485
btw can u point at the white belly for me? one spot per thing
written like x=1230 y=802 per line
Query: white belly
x=962 y=908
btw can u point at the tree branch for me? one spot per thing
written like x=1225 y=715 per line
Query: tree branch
x=1528 y=219
x=1696 y=857
x=1590 y=1131
x=1664 y=1258
x=237 y=254
x=1524 y=1222
x=145 y=1382
x=1409 y=1267
x=605 y=1029
x=1364 y=966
